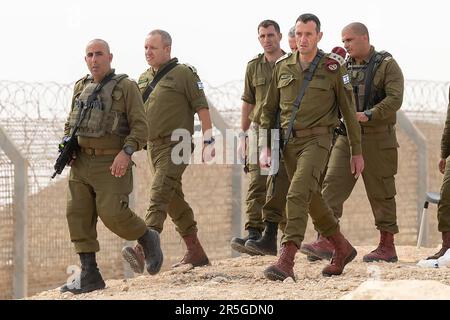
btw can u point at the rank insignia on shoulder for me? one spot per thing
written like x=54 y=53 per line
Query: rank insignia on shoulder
x=255 y=57
x=388 y=58
x=335 y=59
x=191 y=67
x=284 y=57
x=346 y=78
x=200 y=85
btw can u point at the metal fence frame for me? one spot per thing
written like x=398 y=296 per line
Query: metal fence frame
x=20 y=278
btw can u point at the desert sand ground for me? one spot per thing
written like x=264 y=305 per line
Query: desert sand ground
x=242 y=278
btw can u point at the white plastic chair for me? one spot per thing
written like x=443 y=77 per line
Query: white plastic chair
x=430 y=197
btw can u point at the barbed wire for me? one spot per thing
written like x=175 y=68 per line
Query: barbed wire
x=33 y=113
x=51 y=100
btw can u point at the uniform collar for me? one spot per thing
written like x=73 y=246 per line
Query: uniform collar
x=367 y=59
x=91 y=78
x=295 y=57
x=263 y=59
x=162 y=66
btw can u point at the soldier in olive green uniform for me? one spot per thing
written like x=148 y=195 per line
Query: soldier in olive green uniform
x=112 y=126
x=170 y=106
x=261 y=205
x=378 y=87
x=306 y=152
x=444 y=203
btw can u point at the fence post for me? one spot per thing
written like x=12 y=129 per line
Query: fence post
x=20 y=278
x=422 y=165
x=127 y=272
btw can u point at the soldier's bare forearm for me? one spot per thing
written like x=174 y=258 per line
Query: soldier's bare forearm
x=205 y=119
x=245 y=120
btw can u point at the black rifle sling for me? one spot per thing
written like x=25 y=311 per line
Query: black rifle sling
x=156 y=79
x=307 y=78
x=372 y=66
x=98 y=88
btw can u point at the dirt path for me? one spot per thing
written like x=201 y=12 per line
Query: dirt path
x=242 y=278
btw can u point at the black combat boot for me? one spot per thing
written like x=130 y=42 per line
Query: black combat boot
x=267 y=244
x=147 y=251
x=238 y=244
x=89 y=279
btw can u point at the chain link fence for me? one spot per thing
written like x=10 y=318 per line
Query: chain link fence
x=33 y=115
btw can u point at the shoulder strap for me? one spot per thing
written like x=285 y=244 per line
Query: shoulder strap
x=372 y=67
x=99 y=87
x=156 y=79
x=308 y=77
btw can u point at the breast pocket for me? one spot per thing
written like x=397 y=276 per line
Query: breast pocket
x=167 y=85
x=143 y=86
x=317 y=91
x=288 y=89
x=116 y=98
x=260 y=88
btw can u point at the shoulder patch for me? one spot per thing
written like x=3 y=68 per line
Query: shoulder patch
x=287 y=55
x=388 y=58
x=82 y=80
x=336 y=57
x=191 y=67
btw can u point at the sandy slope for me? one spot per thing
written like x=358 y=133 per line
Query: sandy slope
x=242 y=278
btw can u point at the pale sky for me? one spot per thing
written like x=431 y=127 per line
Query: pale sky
x=45 y=40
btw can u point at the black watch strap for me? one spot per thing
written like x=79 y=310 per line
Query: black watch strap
x=129 y=150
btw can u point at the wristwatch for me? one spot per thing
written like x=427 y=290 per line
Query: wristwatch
x=129 y=150
x=210 y=141
x=368 y=114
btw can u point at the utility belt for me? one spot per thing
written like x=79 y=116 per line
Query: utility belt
x=100 y=152
x=342 y=130
x=378 y=129
x=302 y=133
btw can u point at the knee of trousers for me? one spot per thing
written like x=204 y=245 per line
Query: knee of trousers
x=163 y=187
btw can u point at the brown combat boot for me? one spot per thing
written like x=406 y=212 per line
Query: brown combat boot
x=385 y=250
x=195 y=255
x=445 y=246
x=284 y=267
x=318 y=250
x=135 y=257
x=343 y=254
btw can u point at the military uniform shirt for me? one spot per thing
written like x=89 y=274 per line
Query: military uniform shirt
x=126 y=99
x=388 y=77
x=257 y=79
x=173 y=102
x=319 y=107
x=445 y=141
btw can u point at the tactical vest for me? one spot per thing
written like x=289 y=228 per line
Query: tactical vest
x=99 y=119
x=361 y=77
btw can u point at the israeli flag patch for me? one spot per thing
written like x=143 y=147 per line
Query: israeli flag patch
x=200 y=85
x=346 y=78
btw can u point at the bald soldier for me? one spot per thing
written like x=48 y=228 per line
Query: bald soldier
x=112 y=126
x=377 y=82
x=265 y=202
x=170 y=104
x=444 y=203
x=327 y=91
